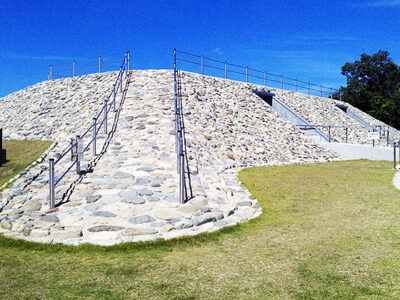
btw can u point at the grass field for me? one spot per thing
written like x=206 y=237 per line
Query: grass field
x=19 y=155
x=328 y=231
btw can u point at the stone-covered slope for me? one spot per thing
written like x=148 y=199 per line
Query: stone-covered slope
x=228 y=125
x=322 y=111
x=55 y=109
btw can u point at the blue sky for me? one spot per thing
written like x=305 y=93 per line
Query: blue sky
x=308 y=40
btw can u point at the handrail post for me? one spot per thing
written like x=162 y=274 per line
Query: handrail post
x=129 y=60
x=126 y=62
x=309 y=88
x=94 y=136
x=247 y=74
x=176 y=116
x=120 y=86
x=114 y=96
x=321 y=91
x=226 y=70
x=51 y=183
x=281 y=82
x=202 y=65
x=51 y=72
x=331 y=94
x=78 y=163
x=387 y=138
x=73 y=68
x=105 y=116
x=329 y=133
x=265 y=78
x=182 y=180
x=373 y=140
x=99 y=64
x=394 y=155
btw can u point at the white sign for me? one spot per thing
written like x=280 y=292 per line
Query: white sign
x=80 y=149
x=373 y=135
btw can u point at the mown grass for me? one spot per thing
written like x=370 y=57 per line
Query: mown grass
x=20 y=154
x=328 y=231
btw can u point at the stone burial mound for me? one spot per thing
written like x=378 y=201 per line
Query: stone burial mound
x=132 y=192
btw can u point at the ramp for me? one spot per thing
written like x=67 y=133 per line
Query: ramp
x=289 y=114
x=355 y=117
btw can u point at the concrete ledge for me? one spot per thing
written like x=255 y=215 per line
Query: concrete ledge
x=354 y=151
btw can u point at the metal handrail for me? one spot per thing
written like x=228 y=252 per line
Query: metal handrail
x=118 y=83
x=283 y=80
x=185 y=187
x=75 y=66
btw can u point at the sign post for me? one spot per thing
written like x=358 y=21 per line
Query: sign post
x=373 y=135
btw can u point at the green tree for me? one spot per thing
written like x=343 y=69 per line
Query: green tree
x=373 y=84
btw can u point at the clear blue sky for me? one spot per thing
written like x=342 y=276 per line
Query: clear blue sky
x=308 y=39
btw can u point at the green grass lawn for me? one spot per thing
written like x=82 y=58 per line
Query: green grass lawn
x=20 y=154
x=328 y=231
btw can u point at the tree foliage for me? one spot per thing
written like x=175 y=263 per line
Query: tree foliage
x=373 y=84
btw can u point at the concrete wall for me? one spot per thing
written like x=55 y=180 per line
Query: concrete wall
x=352 y=151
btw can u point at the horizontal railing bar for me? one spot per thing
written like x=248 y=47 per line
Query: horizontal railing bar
x=65 y=153
x=325 y=89
x=110 y=63
x=217 y=61
x=188 y=61
x=62 y=176
x=186 y=53
x=212 y=67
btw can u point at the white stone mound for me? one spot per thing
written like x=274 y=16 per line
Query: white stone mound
x=132 y=193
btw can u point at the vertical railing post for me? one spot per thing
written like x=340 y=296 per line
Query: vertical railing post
x=373 y=140
x=78 y=163
x=226 y=70
x=394 y=155
x=126 y=63
x=265 y=78
x=99 y=64
x=387 y=138
x=94 y=136
x=329 y=133
x=114 y=96
x=331 y=94
x=182 y=180
x=120 y=86
x=176 y=115
x=321 y=91
x=51 y=72
x=202 y=65
x=281 y=82
x=129 y=60
x=105 y=116
x=73 y=68
x=309 y=88
x=51 y=183
x=247 y=74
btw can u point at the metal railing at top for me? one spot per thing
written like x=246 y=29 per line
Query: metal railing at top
x=185 y=186
x=382 y=133
x=78 y=147
x=82 y=67
x=243 y=73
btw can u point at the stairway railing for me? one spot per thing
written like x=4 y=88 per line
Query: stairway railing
x=77 y=147
x=185 y=186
